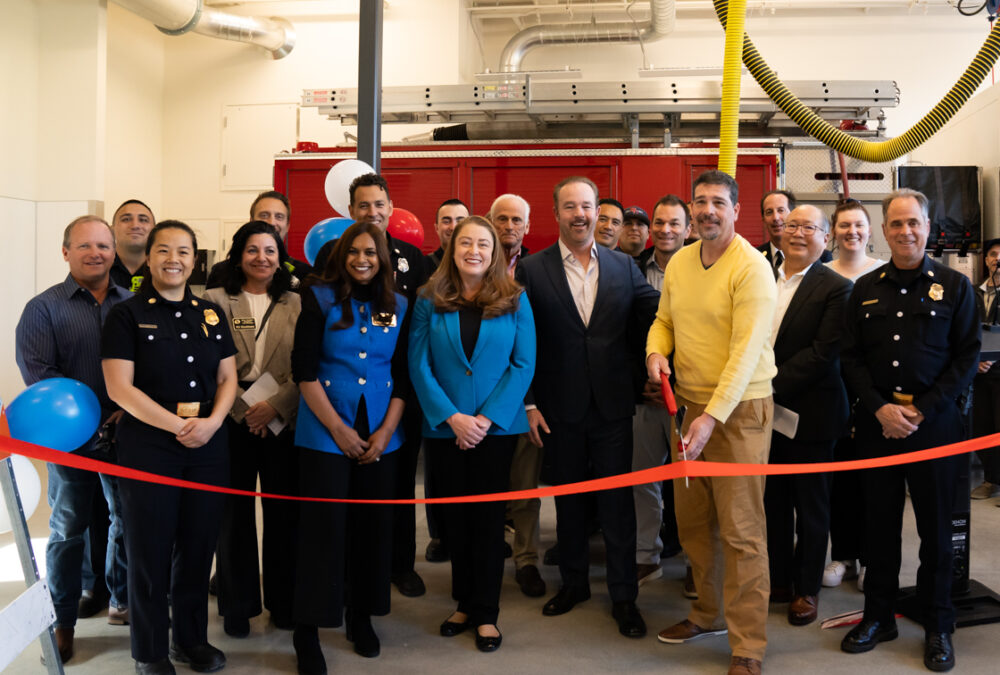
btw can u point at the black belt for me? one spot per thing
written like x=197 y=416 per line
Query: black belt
x=189 y=408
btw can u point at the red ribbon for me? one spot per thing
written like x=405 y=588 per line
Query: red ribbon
x=693 y=469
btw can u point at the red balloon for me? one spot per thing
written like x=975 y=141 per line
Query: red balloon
x=406 y=226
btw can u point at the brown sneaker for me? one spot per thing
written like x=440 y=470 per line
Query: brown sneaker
x=686 y=631
x=647 y=572
x=689 y=590
x=742 y=665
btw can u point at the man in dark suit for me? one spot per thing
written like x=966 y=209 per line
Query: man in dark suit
x=584 y=297
x=774 y=209
x=808 y=324
x=370 y=202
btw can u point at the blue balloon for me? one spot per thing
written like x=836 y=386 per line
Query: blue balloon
x=325 y=230
x=57 y=413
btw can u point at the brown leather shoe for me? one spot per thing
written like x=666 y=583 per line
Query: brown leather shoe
x=742 y=665
x=686 y=631
x=802 y=611
x=64 y=642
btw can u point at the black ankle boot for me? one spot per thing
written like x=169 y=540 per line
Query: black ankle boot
x=361 y=633
x=307 y=651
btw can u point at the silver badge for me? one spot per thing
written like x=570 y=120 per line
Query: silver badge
x=402 y=265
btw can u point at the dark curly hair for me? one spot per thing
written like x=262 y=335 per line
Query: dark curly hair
x=235 y=278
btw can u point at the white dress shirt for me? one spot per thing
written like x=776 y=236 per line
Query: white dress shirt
x=582 y=283
x=786 y=291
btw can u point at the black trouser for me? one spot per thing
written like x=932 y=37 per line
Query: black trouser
x=344 y=553
x=170 y=536
x=932 y=493
x=474 y=531
x=847 y=507
x=435 y=517
x=798 y=516
x=986 y=421
x=404 y=518
x=594 y=448
x=274 y=458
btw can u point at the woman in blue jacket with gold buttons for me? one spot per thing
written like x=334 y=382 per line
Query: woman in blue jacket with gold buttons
x=350 y=362
x=471 y=359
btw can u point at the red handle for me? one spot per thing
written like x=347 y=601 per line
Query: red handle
x=668 y=394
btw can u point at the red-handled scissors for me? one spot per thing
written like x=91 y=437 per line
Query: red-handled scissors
x=678 y=414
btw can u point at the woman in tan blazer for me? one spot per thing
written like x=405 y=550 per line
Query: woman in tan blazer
x=261 y=311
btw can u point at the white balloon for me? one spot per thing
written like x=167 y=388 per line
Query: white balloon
x=28 y=486
x=338 y=183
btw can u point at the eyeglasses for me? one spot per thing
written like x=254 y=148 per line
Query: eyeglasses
x=807 y=230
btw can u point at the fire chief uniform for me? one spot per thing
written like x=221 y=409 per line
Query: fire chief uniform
x=170 y=532
x=910 y=336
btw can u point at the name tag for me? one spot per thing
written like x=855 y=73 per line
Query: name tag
x=384 y=319
x=148 y=325
x=869 y=302
x=244 y=324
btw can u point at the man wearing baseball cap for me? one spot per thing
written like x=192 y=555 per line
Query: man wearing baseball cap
x=635 y=233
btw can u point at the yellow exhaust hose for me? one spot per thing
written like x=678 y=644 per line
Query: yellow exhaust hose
x=732 y=67
x=815 y=126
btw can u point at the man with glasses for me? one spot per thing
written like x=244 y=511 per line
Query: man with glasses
x=812 y=408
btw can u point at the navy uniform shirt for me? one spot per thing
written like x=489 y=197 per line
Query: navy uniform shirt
x=176 y=345
x=911 y=332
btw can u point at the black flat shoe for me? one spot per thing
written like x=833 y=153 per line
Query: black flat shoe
x=453 y=628
x=409 y=584
x=565 y=600
x=437 y=551
x=203 y=658
x=308 y=653
x=866 y=635
x=939 y=654
x=488 y=643
x=161 y=667
x=236 y=626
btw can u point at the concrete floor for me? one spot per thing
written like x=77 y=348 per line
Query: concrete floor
x=584 y=641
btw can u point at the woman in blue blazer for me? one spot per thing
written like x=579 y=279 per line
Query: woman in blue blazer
x=349 y=359
x=471 y=358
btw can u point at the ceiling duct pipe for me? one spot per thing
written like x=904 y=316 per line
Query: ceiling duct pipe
x=663 y=14
x=176 y=17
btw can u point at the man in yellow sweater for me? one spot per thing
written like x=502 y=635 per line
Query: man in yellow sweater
x=716 y=309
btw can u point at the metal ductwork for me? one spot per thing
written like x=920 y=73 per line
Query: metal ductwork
x=176 y=17
x=663 y=14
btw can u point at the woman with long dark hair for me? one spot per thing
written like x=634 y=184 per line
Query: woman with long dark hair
x=350 y=363
x=261 y=310
x=472 y=357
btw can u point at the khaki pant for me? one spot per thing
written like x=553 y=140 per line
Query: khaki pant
x=728 y=513
x=524 y=472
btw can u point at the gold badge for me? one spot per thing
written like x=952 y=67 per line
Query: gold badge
x=211 y=318
x=936 y=292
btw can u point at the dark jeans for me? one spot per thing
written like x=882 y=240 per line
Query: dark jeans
x=70 y=494
x=474 y=531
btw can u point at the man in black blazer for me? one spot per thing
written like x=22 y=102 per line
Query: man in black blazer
x=774 y=209
x=808 y=325
x=583 y=297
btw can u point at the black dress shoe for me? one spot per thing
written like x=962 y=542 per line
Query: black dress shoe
x=409 y=584
x=361 y=633
x=308 y=653
x=161 y=667
x=236 y=626
x=551 y=556
x=202 y=658
x=437 y=551
x=453 y=628
x=866 y=635
x=939 y=655
x=91 y=604
x=489 y=643
x=565 y=600
x=530 y=581
x=630 y=623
